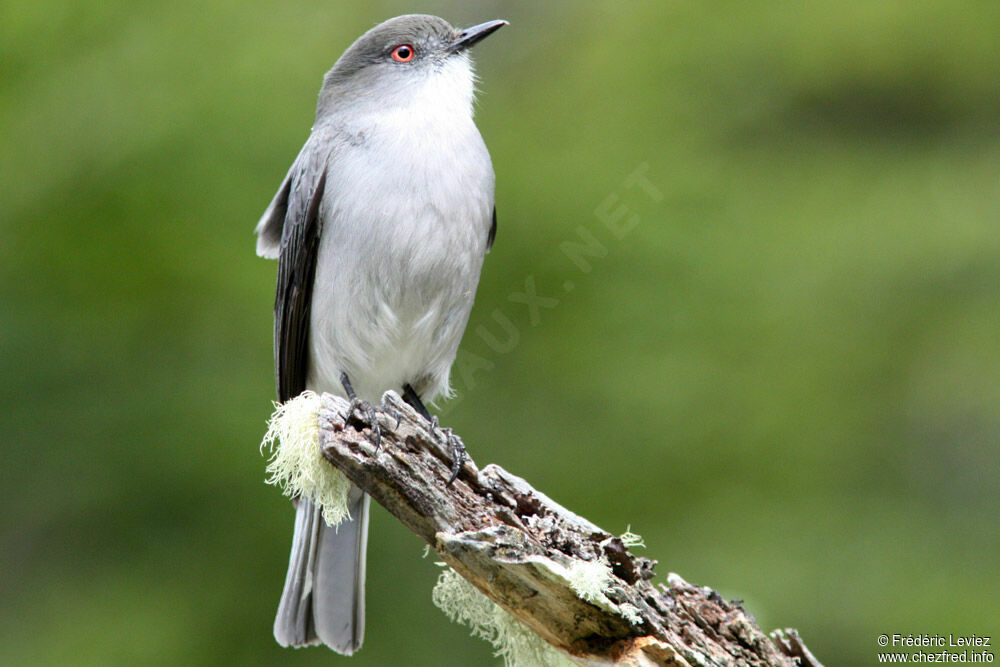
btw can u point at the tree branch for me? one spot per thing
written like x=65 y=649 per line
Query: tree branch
x=573 y=584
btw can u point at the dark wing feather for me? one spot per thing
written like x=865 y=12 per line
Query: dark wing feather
x=296 y=269
x=493 y=231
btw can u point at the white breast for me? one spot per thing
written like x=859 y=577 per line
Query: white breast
x=405 y=215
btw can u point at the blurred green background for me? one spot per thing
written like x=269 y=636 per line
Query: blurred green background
x=786 y=376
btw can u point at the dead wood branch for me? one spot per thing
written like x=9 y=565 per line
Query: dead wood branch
x=528 y=553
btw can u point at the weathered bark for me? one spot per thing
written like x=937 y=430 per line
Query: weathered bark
x=521 y=549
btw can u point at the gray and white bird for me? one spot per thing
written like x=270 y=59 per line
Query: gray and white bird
x=379 y=229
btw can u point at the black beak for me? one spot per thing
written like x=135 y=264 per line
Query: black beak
x=476 y=33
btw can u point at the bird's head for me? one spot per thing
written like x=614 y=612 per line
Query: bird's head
x=391 y=63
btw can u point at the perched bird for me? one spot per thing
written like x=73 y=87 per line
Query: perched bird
x=379 y=229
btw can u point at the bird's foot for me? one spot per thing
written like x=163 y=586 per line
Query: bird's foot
x=455 y=447
x=389 y=410
x=367 y=412
x=366 y=409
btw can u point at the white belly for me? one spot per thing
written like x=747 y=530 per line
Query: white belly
x=399 y=261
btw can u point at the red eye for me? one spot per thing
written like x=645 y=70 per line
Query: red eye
x=403 y=53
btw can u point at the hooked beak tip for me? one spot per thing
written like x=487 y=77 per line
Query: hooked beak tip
x=475 y=34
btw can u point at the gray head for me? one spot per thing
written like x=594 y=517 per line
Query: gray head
x=388 y=60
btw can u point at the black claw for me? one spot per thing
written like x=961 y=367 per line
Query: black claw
x=458 y=456
x=357 y=404
x=388 y=409
x=368 y=415
x=455 y=446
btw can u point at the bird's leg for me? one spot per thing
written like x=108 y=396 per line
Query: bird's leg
x=413 y=399
x=364 y=407
x=455 y=445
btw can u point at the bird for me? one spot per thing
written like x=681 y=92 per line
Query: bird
x=380 y=229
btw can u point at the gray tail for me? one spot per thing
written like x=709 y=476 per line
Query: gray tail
x=324 y=596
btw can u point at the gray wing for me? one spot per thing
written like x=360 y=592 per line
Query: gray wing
x=269 y=228
x=293 y=217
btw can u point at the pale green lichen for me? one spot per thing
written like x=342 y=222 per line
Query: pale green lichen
x=630 y=539
x=630 y=613
x=589 y=579
x=512 y=641
x=297 y=465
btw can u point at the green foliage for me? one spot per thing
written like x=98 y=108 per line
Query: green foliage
x=784 y=376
